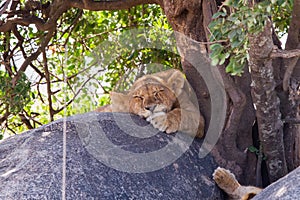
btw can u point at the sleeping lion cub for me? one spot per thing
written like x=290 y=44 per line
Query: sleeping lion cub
x=164 y=99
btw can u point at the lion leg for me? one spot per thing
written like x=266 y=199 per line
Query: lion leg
x=191 y=122
x=106 y=108
x=227 y=182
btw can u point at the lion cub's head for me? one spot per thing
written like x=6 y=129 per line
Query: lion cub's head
x=150 y=94
x=151 y=98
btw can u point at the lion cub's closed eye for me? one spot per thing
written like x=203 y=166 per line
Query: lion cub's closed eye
x=163 y=99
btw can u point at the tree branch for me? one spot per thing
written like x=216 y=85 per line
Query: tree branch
x=4 y=7
x=109 y=5
x=229 y=134
x=39 y=23
x=285 y=53
x=25 y=120
x=33 y=56
x=49 y=92
x=292 y=43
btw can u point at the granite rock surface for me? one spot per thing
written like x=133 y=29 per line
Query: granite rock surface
x=286 y=188
x=104 y=156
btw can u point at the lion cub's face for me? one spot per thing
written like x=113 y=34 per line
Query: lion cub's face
x=151 y=98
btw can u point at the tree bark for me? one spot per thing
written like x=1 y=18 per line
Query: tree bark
x=291 y=92
x=267 y=103
x=191 y=18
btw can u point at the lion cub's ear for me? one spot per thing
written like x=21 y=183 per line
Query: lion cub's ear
x=119 y=102
x=176 y=82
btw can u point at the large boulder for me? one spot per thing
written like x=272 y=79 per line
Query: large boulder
x=105 y=156
x=286 y=188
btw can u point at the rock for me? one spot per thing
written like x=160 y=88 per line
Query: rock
x=286 y=188
x=108 y=156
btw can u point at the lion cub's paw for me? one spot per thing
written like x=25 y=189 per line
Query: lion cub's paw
x=162 y=122
x=225 y=180
x=158 y=120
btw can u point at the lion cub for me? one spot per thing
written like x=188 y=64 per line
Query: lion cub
x=227 y=182
x=165 y=99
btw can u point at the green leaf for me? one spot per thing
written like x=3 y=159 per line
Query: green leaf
x=71 y=67
x=229 y=68
x=218 y=14
x=216 y=47
x=214 y=61
x=236 y=43
x=253 y=149
x=232 y=34
x=223 y=58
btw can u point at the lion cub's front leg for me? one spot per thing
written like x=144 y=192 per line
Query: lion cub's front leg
x=178 y=120
x=168 y=122
x=227 y=182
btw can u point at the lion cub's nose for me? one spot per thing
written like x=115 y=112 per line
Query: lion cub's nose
x=150 y=107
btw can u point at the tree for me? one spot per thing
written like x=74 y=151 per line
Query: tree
x=71 y=42
x=237 y=35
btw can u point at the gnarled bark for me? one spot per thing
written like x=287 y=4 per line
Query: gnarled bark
x=191 y=18
x=291 y=94
x=267 y=103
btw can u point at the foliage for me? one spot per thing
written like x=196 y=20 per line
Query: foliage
x=233 y=23
x=14 y=98
x=71 y=76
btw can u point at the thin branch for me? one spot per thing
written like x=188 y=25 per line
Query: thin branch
x=38 y=89
x=5 y=116
x=4 y=7
x=39 y=23
x=290 y=65
x=213 y=42
x=72 y=26
x=25 y=121
x=33 y=56
x=79 y=90
x=10 y=129
x=109 y=5
x=31 y=117
x=285 y=53
x=48 y=80
x=292 y=43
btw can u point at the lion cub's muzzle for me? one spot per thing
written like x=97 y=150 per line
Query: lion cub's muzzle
x=154 y=108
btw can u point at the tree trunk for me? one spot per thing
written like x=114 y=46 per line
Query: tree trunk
x=291 y=92
x=264 y=96
x=191 y=18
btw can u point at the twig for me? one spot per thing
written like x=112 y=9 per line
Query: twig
x=4 y=7
x=72 y=26
x=213 y=42
x=49 y=92
x=25 y=120
x=33 y=56
x=292 y=57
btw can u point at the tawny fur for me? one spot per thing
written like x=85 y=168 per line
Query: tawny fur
x=165 y=99
x=227 y=182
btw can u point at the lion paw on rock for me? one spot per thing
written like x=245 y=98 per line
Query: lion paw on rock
x=163 y=122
